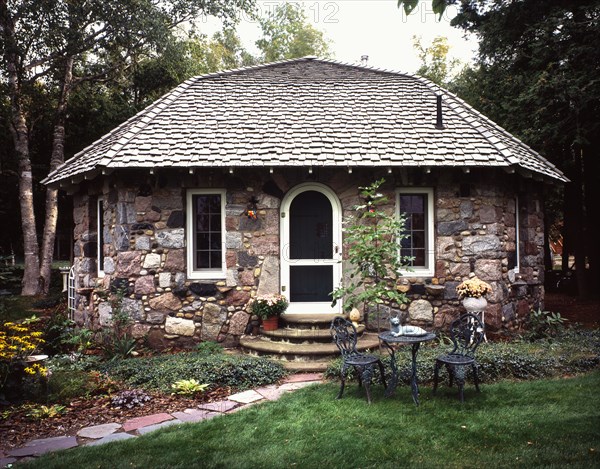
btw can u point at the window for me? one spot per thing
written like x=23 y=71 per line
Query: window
x=417 y=206
x=206 y=233
x=100 y=236
x=515 y=257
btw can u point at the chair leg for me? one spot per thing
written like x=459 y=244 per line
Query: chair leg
x=450 y=370
x=343 y=372
x=475 y=376
x=367 y=376
x=436 y=375
x=459 y=374
x=382 y=372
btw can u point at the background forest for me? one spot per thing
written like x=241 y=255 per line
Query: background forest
x=72 y=71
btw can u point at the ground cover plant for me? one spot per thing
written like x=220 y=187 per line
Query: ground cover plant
x=571 y=351
x=160 y=372
x=542 y=423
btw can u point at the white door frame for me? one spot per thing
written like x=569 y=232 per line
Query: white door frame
x=335 y=262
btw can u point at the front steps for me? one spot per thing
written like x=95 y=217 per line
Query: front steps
x=303 y=342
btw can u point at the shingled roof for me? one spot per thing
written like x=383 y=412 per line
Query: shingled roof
x=305 y=112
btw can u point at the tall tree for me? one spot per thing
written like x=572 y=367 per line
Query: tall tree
x=435 y=63
x=537 y=75
x=44 y=43
x=287 y=34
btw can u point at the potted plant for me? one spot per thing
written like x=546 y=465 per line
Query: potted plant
x=471 y=292
x=268 y=308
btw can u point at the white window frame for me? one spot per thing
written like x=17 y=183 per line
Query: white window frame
x=517 y=268
x=429 y=269
x=190 y=231
x=100 y=236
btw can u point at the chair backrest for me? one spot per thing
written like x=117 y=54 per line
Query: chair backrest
x=466 y=334
x=344 y=335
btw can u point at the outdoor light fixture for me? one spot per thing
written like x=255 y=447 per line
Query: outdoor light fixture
x=251 y=209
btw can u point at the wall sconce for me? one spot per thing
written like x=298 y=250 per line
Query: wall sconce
x=251 y=209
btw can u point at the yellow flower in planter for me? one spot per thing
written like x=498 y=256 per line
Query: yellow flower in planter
x=473 y=288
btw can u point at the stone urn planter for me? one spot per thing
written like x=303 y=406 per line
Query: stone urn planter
x=473 y=304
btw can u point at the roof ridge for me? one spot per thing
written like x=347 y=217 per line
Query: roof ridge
x=158 y=105
x=504 y=132
x=95 y=143
x=306 y=58
x=487 y=121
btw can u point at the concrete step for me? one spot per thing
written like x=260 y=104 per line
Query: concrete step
x=305 y=367
x=322 y=321
x=293 y=334
x=294 y=351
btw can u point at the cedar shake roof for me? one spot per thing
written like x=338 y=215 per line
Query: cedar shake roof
x=305 y=112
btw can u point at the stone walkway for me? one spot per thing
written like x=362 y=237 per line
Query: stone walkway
x=101 y=434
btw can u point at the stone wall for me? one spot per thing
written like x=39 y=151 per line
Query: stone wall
x=144 y=248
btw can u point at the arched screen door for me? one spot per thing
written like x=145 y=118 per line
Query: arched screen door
x=311 y=249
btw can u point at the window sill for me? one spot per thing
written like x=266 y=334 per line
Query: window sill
x=417 y=273
x=206 y=275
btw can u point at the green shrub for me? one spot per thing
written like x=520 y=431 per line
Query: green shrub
x=159 y=372
x=209 y=348
x=571 y=351
x=65 y=385
x=544 y=324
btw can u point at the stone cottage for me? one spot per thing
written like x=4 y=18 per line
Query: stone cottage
x=236 y=184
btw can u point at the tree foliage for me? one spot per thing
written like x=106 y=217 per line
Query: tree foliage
x=287 y=34
x=372 y=239
x=537 y=76
x=435 y=64
x=55 y=46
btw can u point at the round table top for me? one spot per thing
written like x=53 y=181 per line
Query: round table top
x=389 y=337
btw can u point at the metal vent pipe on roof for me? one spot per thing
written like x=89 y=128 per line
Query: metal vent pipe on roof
x=439 y=124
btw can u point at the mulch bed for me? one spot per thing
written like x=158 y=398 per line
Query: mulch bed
x=17 y=428
x=584 y=312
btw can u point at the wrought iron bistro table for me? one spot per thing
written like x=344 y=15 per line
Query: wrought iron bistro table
x=389 y=340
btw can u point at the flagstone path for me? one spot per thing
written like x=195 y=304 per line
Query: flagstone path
x=108 y=432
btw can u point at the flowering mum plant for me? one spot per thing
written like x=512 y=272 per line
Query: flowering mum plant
x=266 y=306
x=17 y=342
x=474 y=288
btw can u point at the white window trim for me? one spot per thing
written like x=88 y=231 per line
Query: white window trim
x=100 y=236
x=429 y=270
x=517 y=268
x=204 y=273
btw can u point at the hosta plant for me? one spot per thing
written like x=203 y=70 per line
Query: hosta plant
x=188 y=387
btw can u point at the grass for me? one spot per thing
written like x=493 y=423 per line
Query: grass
x=544 y=423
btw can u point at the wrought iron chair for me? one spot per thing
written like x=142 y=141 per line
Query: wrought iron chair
x=466 y=334
x=344 y=335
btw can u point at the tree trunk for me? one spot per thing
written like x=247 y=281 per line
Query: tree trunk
x=57 y=158
x=20 y=135
x=591 y=184
x=579 y=246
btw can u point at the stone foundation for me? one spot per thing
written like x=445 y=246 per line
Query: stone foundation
x=145 y=254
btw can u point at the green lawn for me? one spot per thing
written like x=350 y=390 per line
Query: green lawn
x=545 y=423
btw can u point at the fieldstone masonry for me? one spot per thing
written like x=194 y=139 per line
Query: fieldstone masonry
x=144 y=249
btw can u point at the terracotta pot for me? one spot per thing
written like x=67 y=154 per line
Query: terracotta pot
x=472 y=304
x=271 y=324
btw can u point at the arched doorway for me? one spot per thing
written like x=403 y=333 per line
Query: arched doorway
x=311 y=248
